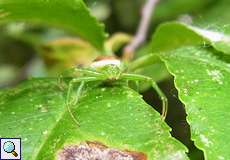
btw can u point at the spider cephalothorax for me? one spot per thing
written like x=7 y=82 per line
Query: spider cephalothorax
x=109 y=66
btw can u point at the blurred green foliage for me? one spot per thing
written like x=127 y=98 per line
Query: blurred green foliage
x=29 y=50
x=22 y=45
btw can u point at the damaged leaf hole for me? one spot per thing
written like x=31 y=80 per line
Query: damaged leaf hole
x=97 y=151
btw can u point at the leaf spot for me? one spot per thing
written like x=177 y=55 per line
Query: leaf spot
x=205 y=140
x=97 y=151
x=45 y=132
x=109 y=105
x=42 y=108
x=25 y=139
x=185 y=91
x=216 y=75
x=220 y=158
x=102 y=133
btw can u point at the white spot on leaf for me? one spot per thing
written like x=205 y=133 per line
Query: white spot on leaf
x=220 y=158
x=102 y=133
x=216 y=75
x=185 y=91
x=109 y=105
x=205 y=140
x=25 y=139
x=45 y=132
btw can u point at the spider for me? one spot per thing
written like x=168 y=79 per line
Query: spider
x=107 y=69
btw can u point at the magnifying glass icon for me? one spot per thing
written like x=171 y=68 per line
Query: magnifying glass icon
x=9 y=147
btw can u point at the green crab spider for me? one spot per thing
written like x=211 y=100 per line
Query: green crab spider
x=109 y=70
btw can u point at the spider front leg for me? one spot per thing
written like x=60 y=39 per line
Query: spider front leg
x=75 y=71
x=60 y=82
x=136 y=77
x=69 y=101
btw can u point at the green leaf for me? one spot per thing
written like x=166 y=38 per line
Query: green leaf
x=71 y=15
x=198 y=59
x=183 y=34
x=203 y=82
x=145 y=63
x=174 y=8
x=63 y=53
x=165 y=10
x=216 y=18
x=115 y=116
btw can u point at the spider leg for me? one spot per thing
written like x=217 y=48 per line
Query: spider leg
x=79 y=91
x=82 y=81
x=163 y=99
x=137 y=86
x=72 y=72
x=76 y=70
x=135 y=77
x=60 y=82
x=68 y=102
x=87 y=72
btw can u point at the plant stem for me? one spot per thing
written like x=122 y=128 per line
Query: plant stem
x=142 y=29
x=143 y=61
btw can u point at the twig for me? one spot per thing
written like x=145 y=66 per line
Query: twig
x=142 y=29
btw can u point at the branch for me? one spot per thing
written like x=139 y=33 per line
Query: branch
x=143 y=27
